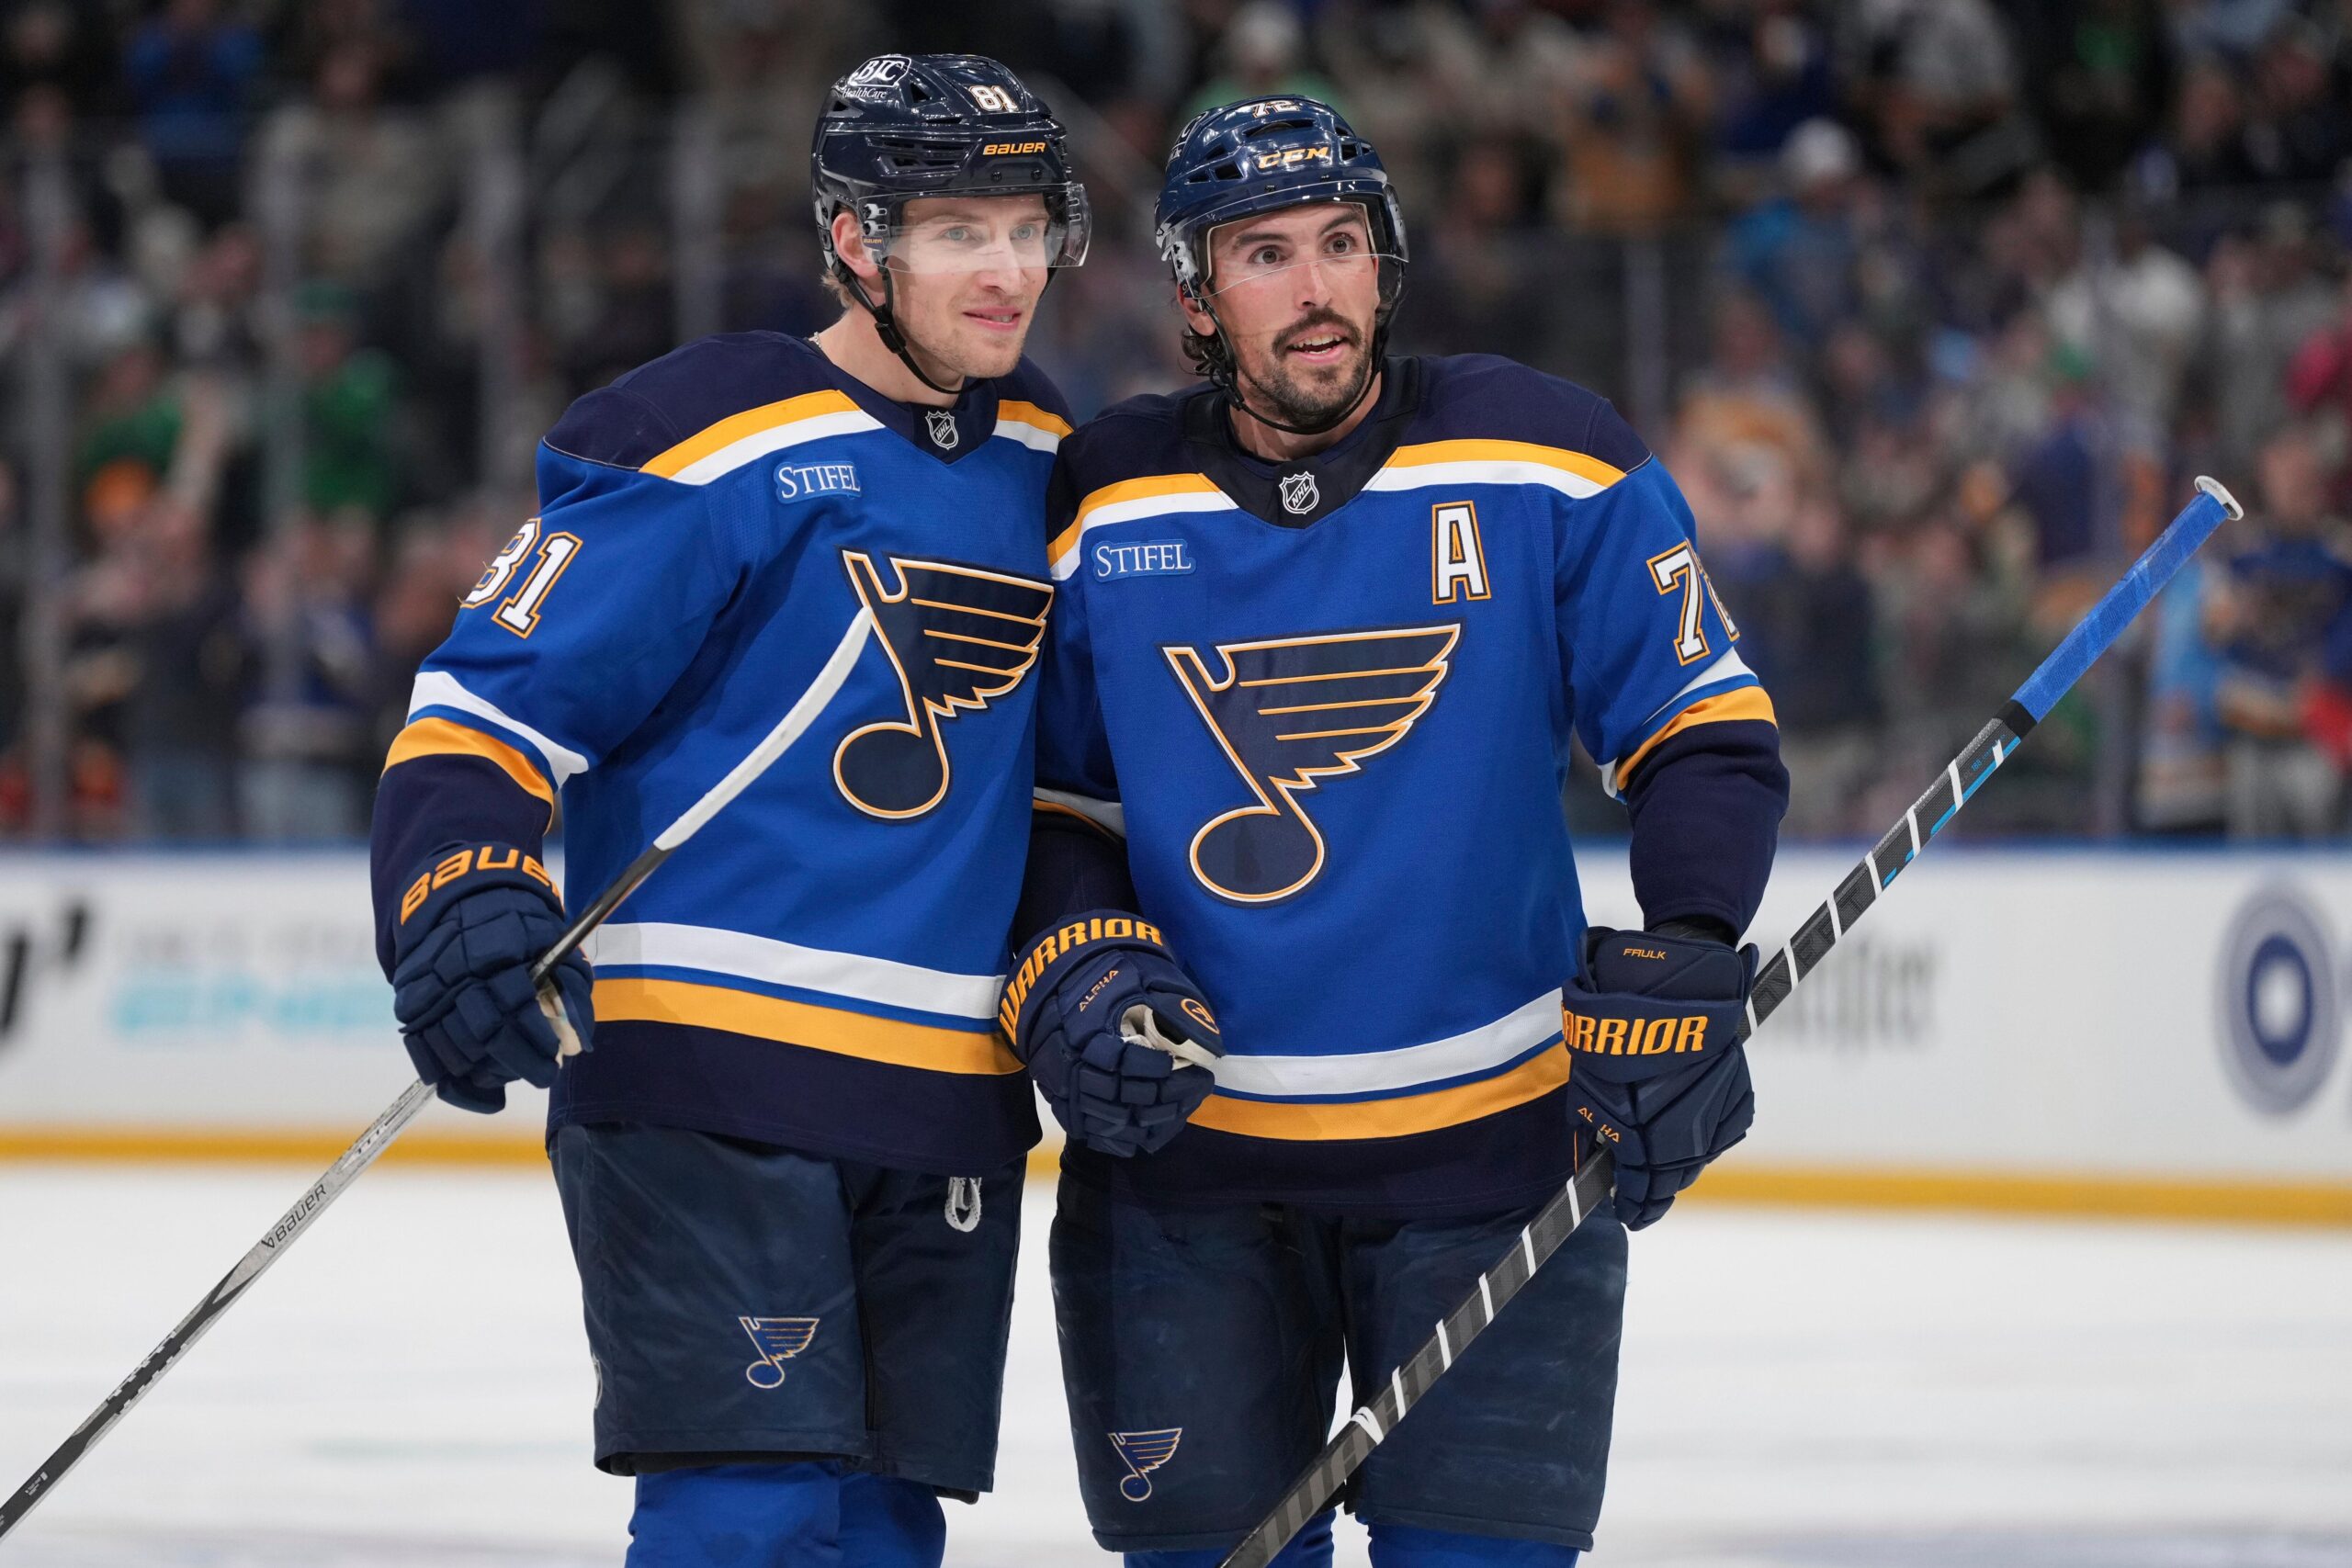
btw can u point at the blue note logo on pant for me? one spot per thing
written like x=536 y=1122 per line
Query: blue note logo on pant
x=1143 y=1452
x=778 y=1339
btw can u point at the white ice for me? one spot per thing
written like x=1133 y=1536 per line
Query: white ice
x=1801 y=1390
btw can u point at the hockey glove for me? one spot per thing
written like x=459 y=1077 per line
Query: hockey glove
x=1093 y=1009
x=473 y=923
x=1655 y=1069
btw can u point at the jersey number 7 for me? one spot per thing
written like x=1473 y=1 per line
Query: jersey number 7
x=1680 y=568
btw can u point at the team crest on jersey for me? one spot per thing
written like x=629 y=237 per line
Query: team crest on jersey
x=1299 y=494
x=1143 y=1452
x=943 y=434
x=778 y=1339
x=1287 y=712
x=959 y=638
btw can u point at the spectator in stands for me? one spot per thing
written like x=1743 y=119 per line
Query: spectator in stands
x=1634 y=118
x=193 y=75
x=352 y=425
x=366 y=175
x=2269 y=300
x=1939 y=82
x=309 y=727
x=1796 y=252
x=2103 y=74
x=2279 y=612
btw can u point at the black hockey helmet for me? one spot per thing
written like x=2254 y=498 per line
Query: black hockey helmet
x=902 y=127
x=1260 y=155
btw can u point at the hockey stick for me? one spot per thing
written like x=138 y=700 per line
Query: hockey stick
x=1794 y=960
x=413 y=1099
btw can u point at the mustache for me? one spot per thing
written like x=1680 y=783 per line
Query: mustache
x=1316 y=324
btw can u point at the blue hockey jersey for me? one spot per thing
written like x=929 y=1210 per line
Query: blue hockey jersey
x=1330 y=705
x=820 y=967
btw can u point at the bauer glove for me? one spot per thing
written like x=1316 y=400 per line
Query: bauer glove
x=1101 y=1012
x=1655 y=1069
x=473 y=921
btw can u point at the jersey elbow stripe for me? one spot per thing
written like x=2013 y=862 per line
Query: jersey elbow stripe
x=446 y=738
x=721 y=448
x=1741 y=702
x=1397 y=1117
x=439 y=689
x=978 y=1052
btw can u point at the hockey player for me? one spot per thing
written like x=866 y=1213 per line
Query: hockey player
x=792 y=1162
x=1323 y=630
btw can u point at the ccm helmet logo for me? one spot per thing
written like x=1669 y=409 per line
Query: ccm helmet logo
x=995 y=149
x=1293 y=157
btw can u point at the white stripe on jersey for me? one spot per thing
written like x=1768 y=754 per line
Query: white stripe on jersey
x=1422 y=476
x=1401 y=1070
x=1035 y=437
x=776 y=438
x=439 y=689
x=736 y=955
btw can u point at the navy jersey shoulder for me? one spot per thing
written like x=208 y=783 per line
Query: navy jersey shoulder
x=1028 y=384
x=1141 y=437
x=1487 y=397
x=690 y=389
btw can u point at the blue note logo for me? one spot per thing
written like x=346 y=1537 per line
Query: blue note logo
x=2280 y=1021
x=1287 y=712
x=1143 y=1452
x=800 y=481
x=959 y=638
x=1145 y=558
x=777 y=1339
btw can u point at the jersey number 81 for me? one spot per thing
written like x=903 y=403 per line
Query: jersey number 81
x=520 y=612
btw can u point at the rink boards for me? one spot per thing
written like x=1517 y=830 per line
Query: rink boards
x=2091 y=1031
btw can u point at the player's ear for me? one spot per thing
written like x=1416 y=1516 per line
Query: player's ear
x=1202 y=323
x=849 y=243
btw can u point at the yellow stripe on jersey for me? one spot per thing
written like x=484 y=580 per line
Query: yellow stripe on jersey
x=1478 y=451
x=1030 y=413
x=1128 y=489
x=751 y=421
x=1747 y=702
x=444 y=737
x=1396 y=1118
x=977 y=1051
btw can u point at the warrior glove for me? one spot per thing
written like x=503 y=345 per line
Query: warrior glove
x=473 y=921
x=1656 y=1070
x=1101 y=1012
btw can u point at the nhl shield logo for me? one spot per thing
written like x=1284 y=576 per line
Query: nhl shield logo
x=941 y=424
x=777 y=1339
x=1299 y=494
x=1143 y=1452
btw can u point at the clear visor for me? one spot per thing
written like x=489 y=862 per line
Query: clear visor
x=1268 y=256
x=1017 y=231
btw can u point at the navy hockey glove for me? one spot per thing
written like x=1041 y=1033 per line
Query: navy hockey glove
x=1092 y=1008
x=473 y=923
x=1655 y=1069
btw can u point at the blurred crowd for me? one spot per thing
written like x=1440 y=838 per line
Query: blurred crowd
x=1932 y=306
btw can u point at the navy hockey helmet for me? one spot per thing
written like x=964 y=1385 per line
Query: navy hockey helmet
x=902 y=127
x=1259 y=156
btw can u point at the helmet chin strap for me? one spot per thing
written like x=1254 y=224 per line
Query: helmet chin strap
x=886 y=325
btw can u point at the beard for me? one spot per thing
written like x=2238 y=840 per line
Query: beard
x=1310 y=397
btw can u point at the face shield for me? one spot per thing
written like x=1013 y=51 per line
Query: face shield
x=1258 y=258
x=1021 y=230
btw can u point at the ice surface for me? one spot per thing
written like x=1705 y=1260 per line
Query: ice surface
x=1801 y=1390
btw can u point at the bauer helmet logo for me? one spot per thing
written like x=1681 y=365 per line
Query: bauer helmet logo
x=777 y=1339
x=1143 y=1452
x=1299 y=492
x=959 y=638
x=1011 y=149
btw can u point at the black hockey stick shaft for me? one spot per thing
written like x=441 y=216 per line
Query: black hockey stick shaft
x=413 y=1099
x=1793 y=960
